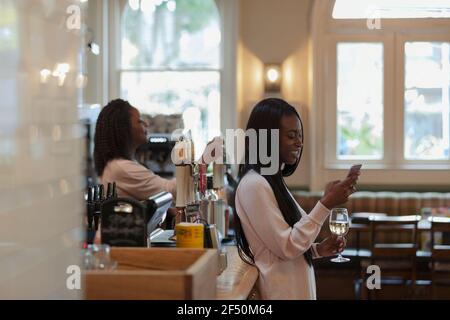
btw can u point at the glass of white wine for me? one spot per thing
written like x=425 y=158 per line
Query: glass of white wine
x=339 y=225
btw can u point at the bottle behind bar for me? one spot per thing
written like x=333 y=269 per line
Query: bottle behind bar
x=95 y=197
x=101 y=193
x=97 y=205
x=109 y=191
x=114 y=190
x=90 y=207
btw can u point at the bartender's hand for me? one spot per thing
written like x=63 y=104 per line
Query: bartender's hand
x=331 y=246
x=169 y=222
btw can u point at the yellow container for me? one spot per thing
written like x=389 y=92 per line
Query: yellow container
x=190 y=235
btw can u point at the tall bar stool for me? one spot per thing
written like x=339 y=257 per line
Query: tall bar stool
x=389 y=250
x=440 y=255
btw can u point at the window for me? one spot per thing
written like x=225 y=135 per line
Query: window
x=391 y=9
x=427 y=107
x=359 y=100
x=170 y=61
x=381 y=90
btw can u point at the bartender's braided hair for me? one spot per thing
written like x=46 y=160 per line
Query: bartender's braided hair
x=267 y=114
x=112 y=134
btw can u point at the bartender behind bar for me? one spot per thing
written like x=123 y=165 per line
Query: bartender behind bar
x=119 y=132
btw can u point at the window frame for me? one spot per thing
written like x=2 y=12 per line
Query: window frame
x=401 y=40
x=229 y=17
x=393 y=169
x=331 y=98
x=374 y=14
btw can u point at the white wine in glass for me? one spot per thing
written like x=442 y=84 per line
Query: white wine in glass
x=339 y=225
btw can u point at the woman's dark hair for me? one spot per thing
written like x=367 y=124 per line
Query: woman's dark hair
x=112 y=134
x=267 y=114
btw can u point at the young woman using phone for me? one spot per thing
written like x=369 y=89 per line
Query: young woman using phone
x=273 y=232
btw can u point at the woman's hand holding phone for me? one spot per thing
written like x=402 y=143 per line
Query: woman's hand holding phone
x=354 y=170
x=337 y=192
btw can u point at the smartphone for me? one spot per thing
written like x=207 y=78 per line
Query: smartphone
x=354 y=169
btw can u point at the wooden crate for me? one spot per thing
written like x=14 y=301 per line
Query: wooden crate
x=155 y=274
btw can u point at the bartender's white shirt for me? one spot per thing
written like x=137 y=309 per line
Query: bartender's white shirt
x=278 y=248
x=133 y=180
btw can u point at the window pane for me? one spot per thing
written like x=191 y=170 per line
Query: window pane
x=174 y=33
x=427 y=86
x=363 y=9
x=360 y=100
x=195 y=95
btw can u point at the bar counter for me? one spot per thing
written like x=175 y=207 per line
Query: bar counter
x=171 y=274
x=238 y=279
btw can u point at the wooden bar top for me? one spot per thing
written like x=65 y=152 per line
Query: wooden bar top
x=238 y=279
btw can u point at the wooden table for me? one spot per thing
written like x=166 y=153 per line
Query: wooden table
x=238 y=279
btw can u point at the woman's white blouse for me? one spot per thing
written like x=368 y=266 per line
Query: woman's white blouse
x=278 y=248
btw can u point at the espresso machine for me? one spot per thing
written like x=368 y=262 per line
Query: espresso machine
x=155 y=155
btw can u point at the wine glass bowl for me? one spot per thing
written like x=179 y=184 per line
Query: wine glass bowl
x=339 y=226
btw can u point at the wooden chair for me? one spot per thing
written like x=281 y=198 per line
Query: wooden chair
x=440 y=255
x=389 y=250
